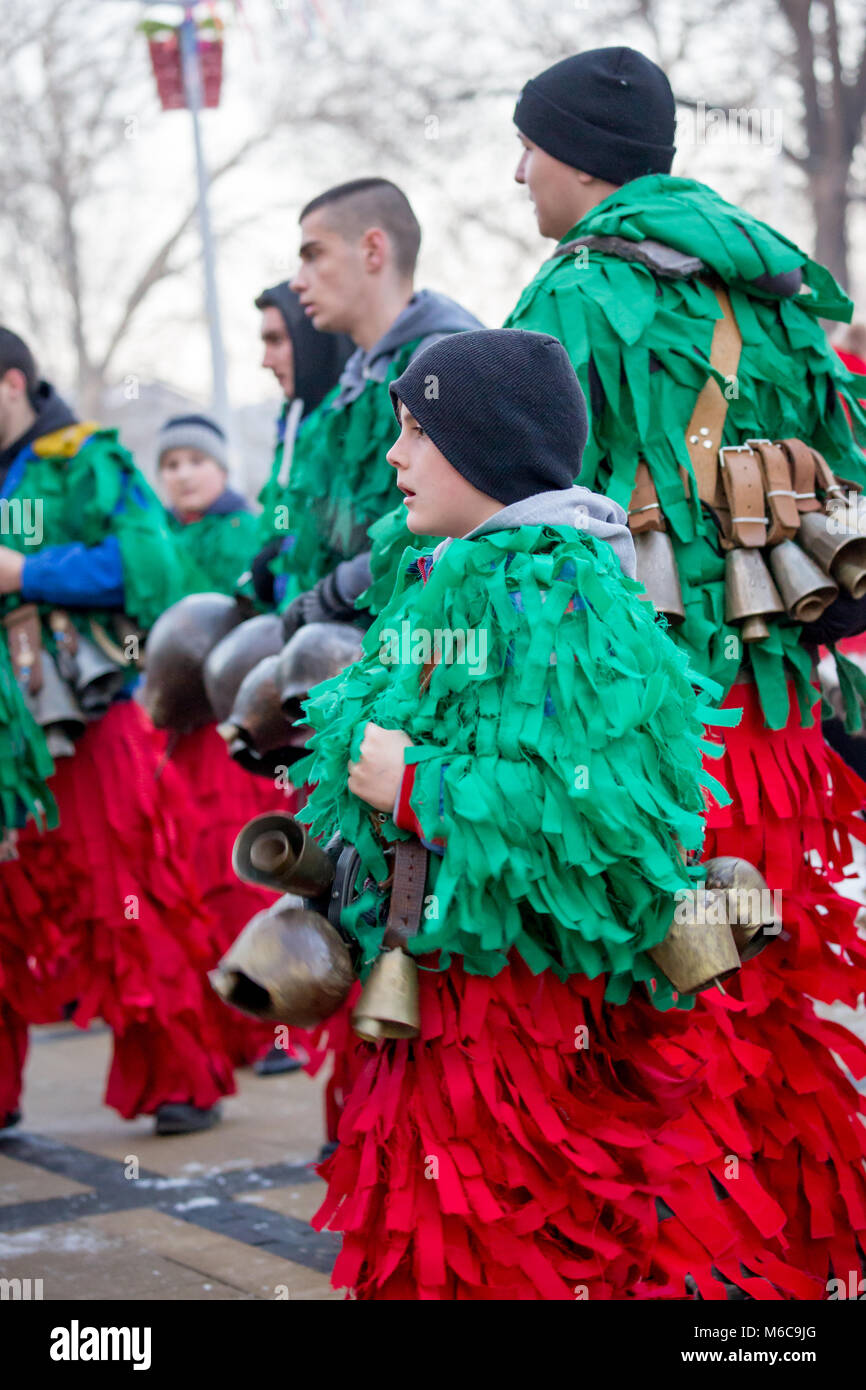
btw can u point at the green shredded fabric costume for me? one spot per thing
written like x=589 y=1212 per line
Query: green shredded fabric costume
x=625 y=319
x=88 y=488
x=619 y=315
x=339 y=481
x=564 y=775
x=25 y=763
x=215 y=550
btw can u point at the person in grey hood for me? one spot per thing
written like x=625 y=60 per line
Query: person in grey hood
x=359 y=247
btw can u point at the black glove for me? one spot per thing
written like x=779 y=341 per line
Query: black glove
x=263 y=579
x=322 y=604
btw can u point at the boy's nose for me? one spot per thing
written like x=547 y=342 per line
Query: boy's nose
x=520 y=171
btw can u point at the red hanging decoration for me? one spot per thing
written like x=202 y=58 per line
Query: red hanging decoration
x=165 y=59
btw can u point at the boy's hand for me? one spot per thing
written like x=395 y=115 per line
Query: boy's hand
x=376 y=776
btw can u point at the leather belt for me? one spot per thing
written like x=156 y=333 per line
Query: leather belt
x=803 y=468
x=784 y=516
x=24 y=635
x=740 y=469
x=408 y=883
x=644 y=512
x=704 y=432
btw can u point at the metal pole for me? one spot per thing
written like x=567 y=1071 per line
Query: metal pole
x=193 y=89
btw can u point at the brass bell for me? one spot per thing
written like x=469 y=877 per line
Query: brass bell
x=842 y=555
x=289 y=965
x=750 y=594
x=97 y=679
x=275 y=851
x=315 y=653
x=232 y=658
x=388 y=1006
x=179 y=641
x=56 y=710
x=806 y=590
x=750 y=902
x=257 y=713
x=656 y=569
x=699 y=949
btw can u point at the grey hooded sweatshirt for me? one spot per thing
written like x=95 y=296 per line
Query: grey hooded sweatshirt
x=428 y=316
x=574 y=506
x=570 y=506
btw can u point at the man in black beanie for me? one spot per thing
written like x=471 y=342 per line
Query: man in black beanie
x=588 y=125
x=694 y=327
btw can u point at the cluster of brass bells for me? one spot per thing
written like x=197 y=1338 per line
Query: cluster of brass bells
x=714 y=934
x=74 y=689
x=289 y=964
x=260 y=725
x=808 y=573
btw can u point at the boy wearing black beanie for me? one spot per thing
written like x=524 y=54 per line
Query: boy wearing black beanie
x=518 y=714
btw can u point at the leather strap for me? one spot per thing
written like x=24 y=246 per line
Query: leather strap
x=784 y=516
x=704 y=432
x=64 y=633
x=409 y=880
x=802 y=462
x=24 y=633
x=743 y=482
x=827 y=479
x=644 y=512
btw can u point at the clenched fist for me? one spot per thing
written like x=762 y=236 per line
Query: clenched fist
x=376 y=776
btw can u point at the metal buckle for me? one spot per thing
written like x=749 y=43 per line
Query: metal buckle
x=732 y=449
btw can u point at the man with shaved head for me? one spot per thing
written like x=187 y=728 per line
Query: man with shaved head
x=359 y=247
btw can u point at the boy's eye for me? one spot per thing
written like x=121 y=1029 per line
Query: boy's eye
x=416 y=429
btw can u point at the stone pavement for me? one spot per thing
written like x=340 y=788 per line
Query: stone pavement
x=98 y=1208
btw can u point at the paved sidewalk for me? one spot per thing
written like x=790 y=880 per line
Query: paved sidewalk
x=98 y=1208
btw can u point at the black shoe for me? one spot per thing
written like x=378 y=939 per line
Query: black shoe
x=185 y=1119
x=10 y=1119
x=277 y=1062
x=328 y=1148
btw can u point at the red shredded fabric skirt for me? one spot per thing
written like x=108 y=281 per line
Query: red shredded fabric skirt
x=225 y=798
x=496 y=1158
x=106 y=911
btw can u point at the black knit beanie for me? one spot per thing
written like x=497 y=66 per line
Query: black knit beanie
x=504 y=406
x=609 y=112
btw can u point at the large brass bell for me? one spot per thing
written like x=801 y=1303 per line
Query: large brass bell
x=842 y=555
x=181 y=638
x=315 y=653
x=656 y=569
x=257 y=731
x=289 y=965
x=56 y=710
x=750 y=594
x=234 y=657
x=750 y=902
x=97 y=679
x=275 y=851
x=388 y=1005
x=806 y=590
